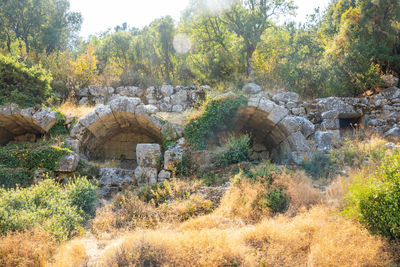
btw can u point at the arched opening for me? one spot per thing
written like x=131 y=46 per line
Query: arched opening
x=24 y=125
x=275 y=135
x=111 y=133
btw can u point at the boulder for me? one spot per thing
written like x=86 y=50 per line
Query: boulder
x=96 y=90
x=393 y=133
x=148 y=155
x=45 y=118
x=167 y=90
x=286 y=97
x=83 y=92
x=180 y=98
x=164 y=175
x=146 y=175
x=84 y=101
x=391 y=93
x=74 y=144
x=251 y=89
x=112 y=180
x=68 y=163
x=390 y=81
x=323 y=141
x=174 y=155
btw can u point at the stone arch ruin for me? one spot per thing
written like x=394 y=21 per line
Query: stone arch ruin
x=112 y=131
x=271 y=127
x=24 y=124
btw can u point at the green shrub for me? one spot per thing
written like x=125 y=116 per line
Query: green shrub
x=218 y=115
x=9 y=178
x=277 y=201
x=375 y=200
x=59 y=128
x=32 y=156
x=320 y=166
x=24 y=86
x=237 y=151
x=264 y=172
x=57 y=209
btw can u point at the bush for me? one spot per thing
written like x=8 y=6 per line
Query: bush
x=237 y=151
x=60 y=210
x=375 y=200
x=277 y=201
x=320 y=166
x=9 y=178
x=24 y=86
x=59 y=128
x=32 y=156
x=217 y=116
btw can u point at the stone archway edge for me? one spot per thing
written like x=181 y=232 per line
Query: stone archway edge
x=18 y=121
x=287 y=130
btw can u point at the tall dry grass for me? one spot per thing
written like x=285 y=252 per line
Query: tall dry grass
x=71 y=109
x=28 y=249
x=312 y=238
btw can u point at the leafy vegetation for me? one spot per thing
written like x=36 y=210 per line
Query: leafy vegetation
x=375 y=199
x=59 y=128
x=237 y=150
x=60 y=210
x=24 y=86
x=32 y=156
x=320 y=166
x=217 y=116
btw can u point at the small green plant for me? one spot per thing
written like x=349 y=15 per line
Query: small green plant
x=320 y=166
x=59 y=128
x=237 y=151
x=277 y=201
x=375 y=199
x=218 y=115
x=264 y=172
x=9 y=178
x=60 y=210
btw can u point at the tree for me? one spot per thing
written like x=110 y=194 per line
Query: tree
x=40 y=24
x=249 y=19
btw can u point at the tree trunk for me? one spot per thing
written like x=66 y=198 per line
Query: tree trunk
x=249 y=59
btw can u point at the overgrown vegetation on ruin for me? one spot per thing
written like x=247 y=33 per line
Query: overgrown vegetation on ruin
x=217 y=115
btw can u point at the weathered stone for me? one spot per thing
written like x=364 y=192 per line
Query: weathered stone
x=68 y=163
x=251 y=89
x=74 y=144
x=323 y=141
x=146 y=175
x=335 y=104
x=392 y=92
x=174 y=155
x=38 y=176
x=393 y=133
x=259 y=147
x=151 y=109
x=45 y=118
x=177 y=108
x=148 y=155
x=111 y=180
x=390 y=81
x=83 y=92
x=96 y=90
x=286 y=97
x=298 y=142
x=180 y=98
x=167 y=90
x=164 y=175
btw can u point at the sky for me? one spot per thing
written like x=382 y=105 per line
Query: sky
x=100 y=15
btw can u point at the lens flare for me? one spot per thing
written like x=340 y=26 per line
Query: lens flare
x=182 y=43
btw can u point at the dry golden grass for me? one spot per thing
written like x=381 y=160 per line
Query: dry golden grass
x=71 y=254
x=312 y=238
x=71 y=109
x=30 y=249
